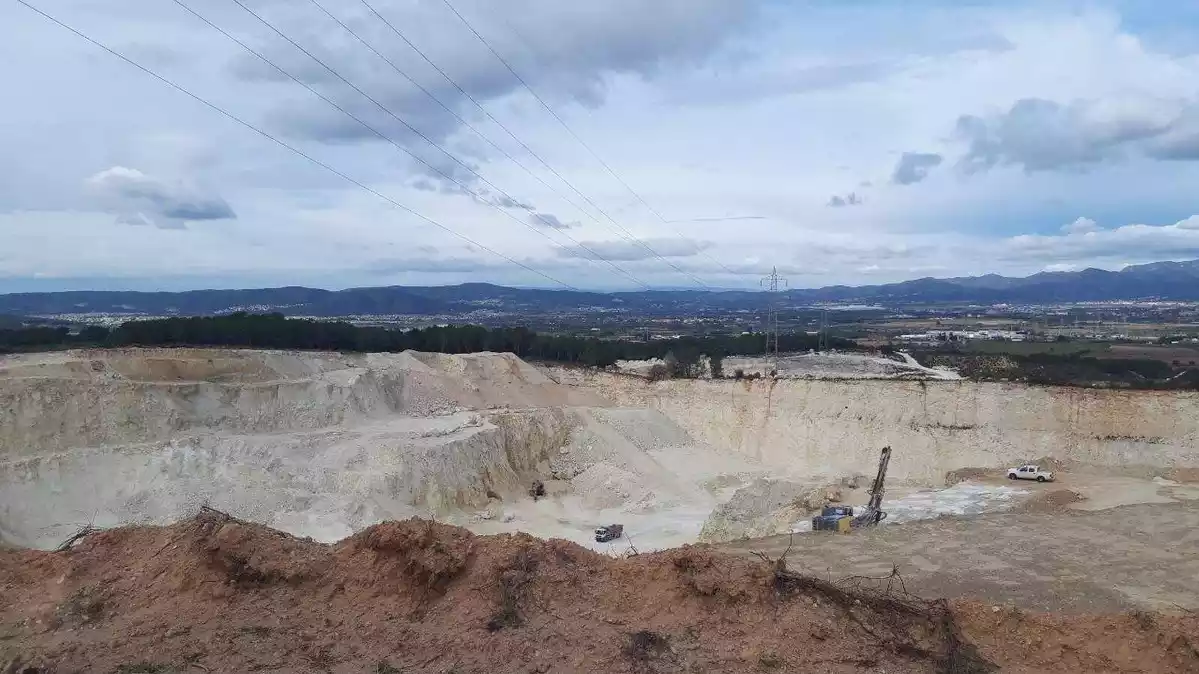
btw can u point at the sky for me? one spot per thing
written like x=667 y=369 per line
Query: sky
x=601 y=145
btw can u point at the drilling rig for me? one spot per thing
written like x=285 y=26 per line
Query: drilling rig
x=843 y=519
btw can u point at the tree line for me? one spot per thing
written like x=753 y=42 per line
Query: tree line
x=275 y=331
x=1072 y=369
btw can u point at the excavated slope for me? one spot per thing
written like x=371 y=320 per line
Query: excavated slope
x=53 y=402
x=320 y=444
x=837 y=427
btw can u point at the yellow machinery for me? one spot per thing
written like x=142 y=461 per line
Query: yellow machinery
x=842 y=518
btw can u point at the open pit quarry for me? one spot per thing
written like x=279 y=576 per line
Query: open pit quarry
x=323 y=445
x=233 y=510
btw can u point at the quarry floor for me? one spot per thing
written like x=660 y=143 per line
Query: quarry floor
x=1143 y=556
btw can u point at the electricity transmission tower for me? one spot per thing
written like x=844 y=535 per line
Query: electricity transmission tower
x=771 y=283
x=822 y=336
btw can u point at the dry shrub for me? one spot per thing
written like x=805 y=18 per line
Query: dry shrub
x=700 y=574
x=85 y=605
x=241 y=571
x=650 y=652
x=770 y=660
x=1143 y=619
x=513 y=588
x=645 y=645
x=900 y=622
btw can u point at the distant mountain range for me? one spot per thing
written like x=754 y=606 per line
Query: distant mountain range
x=1158 y=280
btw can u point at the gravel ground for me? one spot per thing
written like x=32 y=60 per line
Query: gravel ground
x=1133 y=556
x=837 y=366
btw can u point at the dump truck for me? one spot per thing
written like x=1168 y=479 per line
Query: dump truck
x=608 y=532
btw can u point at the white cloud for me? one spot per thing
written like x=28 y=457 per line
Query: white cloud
x=550 y=220
x=138 y=199
x=1039 y=135
x=1128 y=242
x=705 y=109
x=851 y=199
x=1081 y=226
x=629 y=251
x=914 y=167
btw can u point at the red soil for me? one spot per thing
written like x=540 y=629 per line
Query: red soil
x=219 y=595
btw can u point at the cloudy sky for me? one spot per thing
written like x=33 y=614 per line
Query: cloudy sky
x=668 y=143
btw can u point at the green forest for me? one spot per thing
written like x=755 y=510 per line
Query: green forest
x=274 y=331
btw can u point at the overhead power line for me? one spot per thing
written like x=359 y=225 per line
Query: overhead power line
x=293 y=149
x=619 y=229
x=568 y=129
x=577 y=137
x=400 y=71
x=595 y=255
x=458 y=117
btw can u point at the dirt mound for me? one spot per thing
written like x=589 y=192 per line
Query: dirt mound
x=1052 y=464
x=765 y=508
x=963 y=474
x=221 y=595
x=1052 y=501
x=1188 y=475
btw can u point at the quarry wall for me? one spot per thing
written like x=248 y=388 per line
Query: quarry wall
x=325 y=483
x=837 y=427
x=321 y=444
x=55 y=402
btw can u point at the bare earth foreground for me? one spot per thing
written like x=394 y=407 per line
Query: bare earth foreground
x=216 y=594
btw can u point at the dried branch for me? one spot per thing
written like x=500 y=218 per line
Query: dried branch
x=85 y=530
x=205 y=508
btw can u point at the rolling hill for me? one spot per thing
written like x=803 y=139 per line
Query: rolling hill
x=1158 y=280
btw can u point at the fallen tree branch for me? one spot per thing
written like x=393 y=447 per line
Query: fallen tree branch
x=898 y=621
x=891 y=579
x=84 y=531
x=205 y=508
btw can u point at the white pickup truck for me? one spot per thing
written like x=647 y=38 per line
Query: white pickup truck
x=1029 y=472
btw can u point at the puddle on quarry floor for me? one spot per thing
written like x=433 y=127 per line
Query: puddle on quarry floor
x=964 y=498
